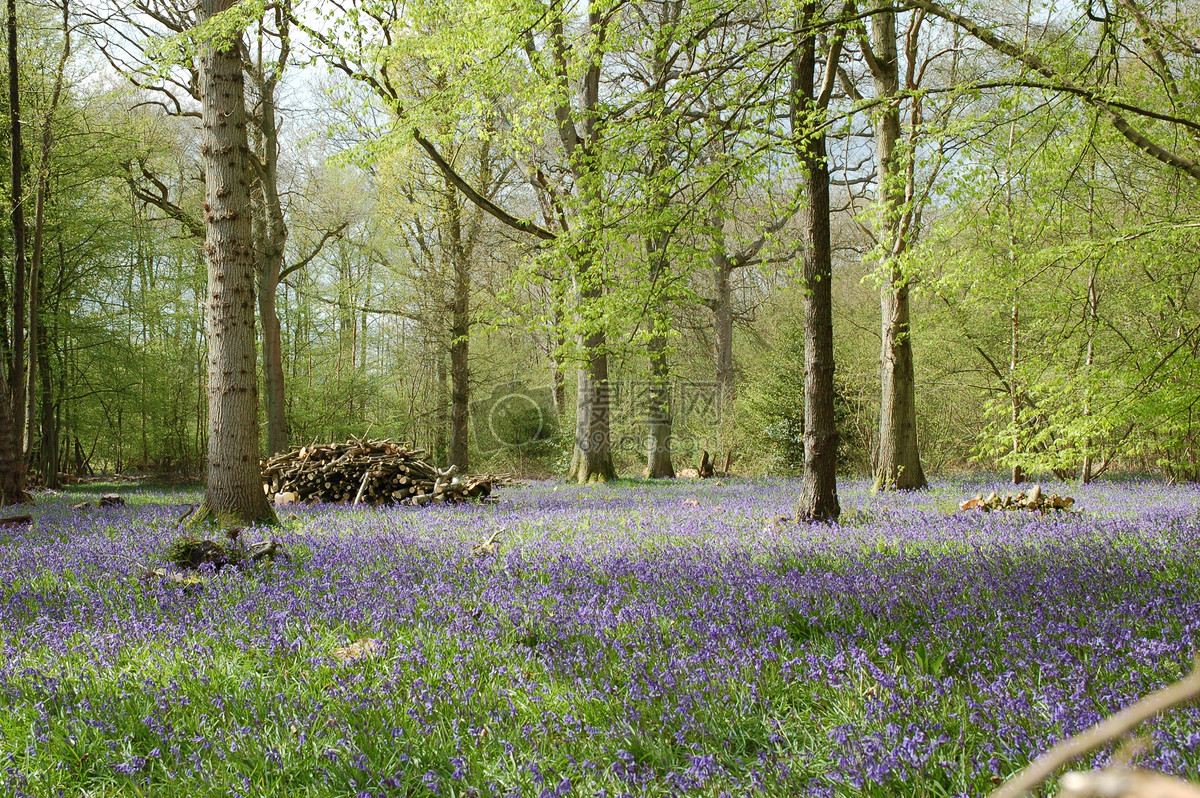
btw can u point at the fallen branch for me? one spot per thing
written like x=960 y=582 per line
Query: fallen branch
x=1125 y=783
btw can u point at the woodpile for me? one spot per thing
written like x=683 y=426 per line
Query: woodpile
x=1034 y=500
x=374 y=472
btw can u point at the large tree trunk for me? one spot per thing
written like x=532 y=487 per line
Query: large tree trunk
x=460 y=330
x=16 y=372
x=899 y=463
x=233 y=494
x=592 y=459
x=580 y=134
x=818 y=495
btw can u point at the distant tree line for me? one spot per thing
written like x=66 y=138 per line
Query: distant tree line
x=873 y=237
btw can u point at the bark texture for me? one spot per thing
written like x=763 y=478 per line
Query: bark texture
x=899 y=461
x=233 y=494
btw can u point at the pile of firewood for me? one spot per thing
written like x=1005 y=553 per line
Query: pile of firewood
x=374 y=472
x=1033 y=500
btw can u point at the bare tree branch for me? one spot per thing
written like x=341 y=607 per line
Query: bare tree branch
x=1034 y=62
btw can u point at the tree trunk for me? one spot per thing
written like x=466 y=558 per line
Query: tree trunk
x=592 y=460
x=554 y=347
x=899 y=462
x=233 y=494
x=559 y=386
x=50 y=480
x=12 y=463
x=818 y=494
x=49 y=421
x=722 y=307
x=460 y=330
x=35 y=285
x=441 y=415
x=1093 y=312
x=1018 y=473
x=658 y=459
x=274 y=238
x=16 y=372
x=272 y=346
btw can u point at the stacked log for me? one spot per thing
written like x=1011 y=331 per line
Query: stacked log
x=365 y=471
x=1034 y=500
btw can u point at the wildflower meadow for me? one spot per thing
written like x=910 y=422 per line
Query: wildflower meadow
x=630 y=639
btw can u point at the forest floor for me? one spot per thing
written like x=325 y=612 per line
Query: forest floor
x=644 y=639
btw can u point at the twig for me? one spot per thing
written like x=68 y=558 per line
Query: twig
x=1103 y=732
x=145 y=568
x=362 y=487
x=489 y=545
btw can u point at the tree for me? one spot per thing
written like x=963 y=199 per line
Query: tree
x=426 y=94
x=270 y=228
x=809 y=104
x=49 y=442
x=233 y=491
x=898 y=464
x=12 y=405
x=1163 y=37
x=131 y=32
